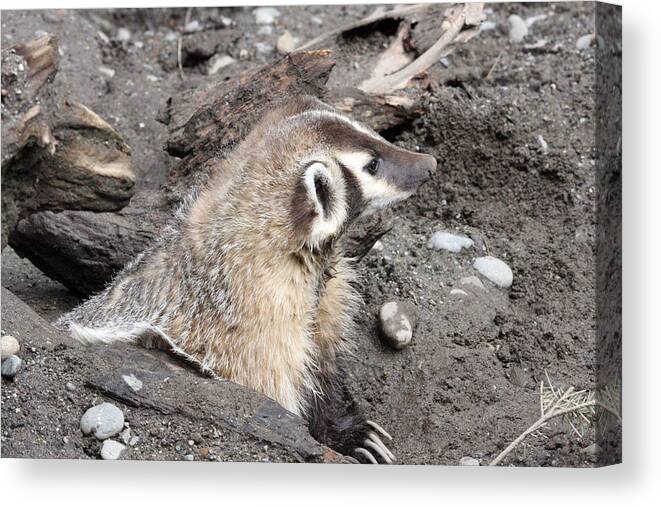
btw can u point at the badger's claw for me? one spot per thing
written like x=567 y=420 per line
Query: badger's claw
x=374 y=447
x=378 y=428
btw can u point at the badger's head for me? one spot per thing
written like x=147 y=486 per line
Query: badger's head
x=348 y=171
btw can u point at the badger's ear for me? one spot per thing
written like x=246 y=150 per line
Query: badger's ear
x=318 y=182
x=318 y=207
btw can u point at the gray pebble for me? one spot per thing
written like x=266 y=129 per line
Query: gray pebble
x=112 y=449
x=263 y=48
x=518 y=28
x=487 y=26
x=102 y=421
x=70 y=387
x=10 y=366
x=189 y=457
x=472 y=282
x=467 y=461
x=9 y=346
x=193 y=26
x=458 y=293
x=396 y=330
x=584 y=42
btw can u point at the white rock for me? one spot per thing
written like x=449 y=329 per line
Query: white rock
x=102 y=421
x=123 y=34
x=468 y=461
x=111 y=449
x=377 y=247
x=107 y=71
x=217 y=62
x=193 y=26
x=584 y=42
x=171 y=36
x=472 y=281
x=534 y=19
x=495 y=270
x=517 y=27
x=226 y=22
x=396 y=330
x=487 y=26
x=458 y=293
x=544 y=145
x=317 y=20
x=265 y=15
x=9 y=346
x=286 y=43
x=133 y=382
x=265 y=30
x=152 y=78
x=450 y=242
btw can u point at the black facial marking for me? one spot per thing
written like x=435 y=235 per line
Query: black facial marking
x=355 y=199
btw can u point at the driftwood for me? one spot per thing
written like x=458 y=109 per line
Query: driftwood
x=83 y=249
x=56 y=155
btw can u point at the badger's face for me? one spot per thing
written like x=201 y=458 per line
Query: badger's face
x=351 y=172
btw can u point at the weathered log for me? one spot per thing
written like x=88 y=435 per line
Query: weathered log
x=57 y=155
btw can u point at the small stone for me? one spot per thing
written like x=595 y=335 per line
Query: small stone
x=286 y=43
x=107 y=71
x=65 y=440
x=111 y=449
x=377 y=247
x=243 y=54
x=217 y=62
x=125 y=436
x=458 y=293
x=131 y=380
x=263 y=48
x=518 y=28
x=450 y=242
x=189 y=457
x=152 y=78
x=10 y=366
x=123 y=35
x=171 y=36
x=193 y=26
x=467 y=461
x=226 y=22
x=444 y=62
x=265 y=15
x=472 y=282
x=487 y=26
x=69 y=386
x=317 y=20
x=592 y=449
x=9 y=346
x=102 y=421
x=265 y=30
x=495 y=270
x=534 y=19
x=585 y=41
x=543 y=144
x=134 y=440
x=396 y=330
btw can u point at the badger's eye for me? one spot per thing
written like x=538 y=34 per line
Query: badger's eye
x=372 y=166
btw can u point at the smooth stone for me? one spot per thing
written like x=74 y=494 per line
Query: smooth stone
x=396 y=329
x=263 y=48
x=286 y=43
x=543 y=144
x=9 y=346
x=217 y=62
x=448 y=241
x=472 y=281
x=112 y=449
x=265 y=15
x=468 y=461
x=585 y=41
x=107 y=71
x=487 y=26
x=458 y=293
x=70 y=386
x=518 y=28
x=123 y=35
x=189 y=457
x=103 y=421
x=495 y=270
x=10 y=366
x=193 y=26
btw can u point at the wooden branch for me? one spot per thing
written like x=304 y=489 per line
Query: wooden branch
x=459 y=25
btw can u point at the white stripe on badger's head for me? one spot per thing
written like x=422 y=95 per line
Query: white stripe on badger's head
x=326 y=192
x=376 y=192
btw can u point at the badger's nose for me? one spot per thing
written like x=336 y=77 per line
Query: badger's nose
x=425 y=166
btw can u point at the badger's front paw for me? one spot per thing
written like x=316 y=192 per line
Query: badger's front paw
x=372 y=447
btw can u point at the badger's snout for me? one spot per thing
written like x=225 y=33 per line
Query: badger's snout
x=407 y=170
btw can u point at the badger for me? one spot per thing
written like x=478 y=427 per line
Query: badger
x=250 y=283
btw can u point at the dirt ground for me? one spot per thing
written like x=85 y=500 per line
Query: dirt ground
x=468 y=384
